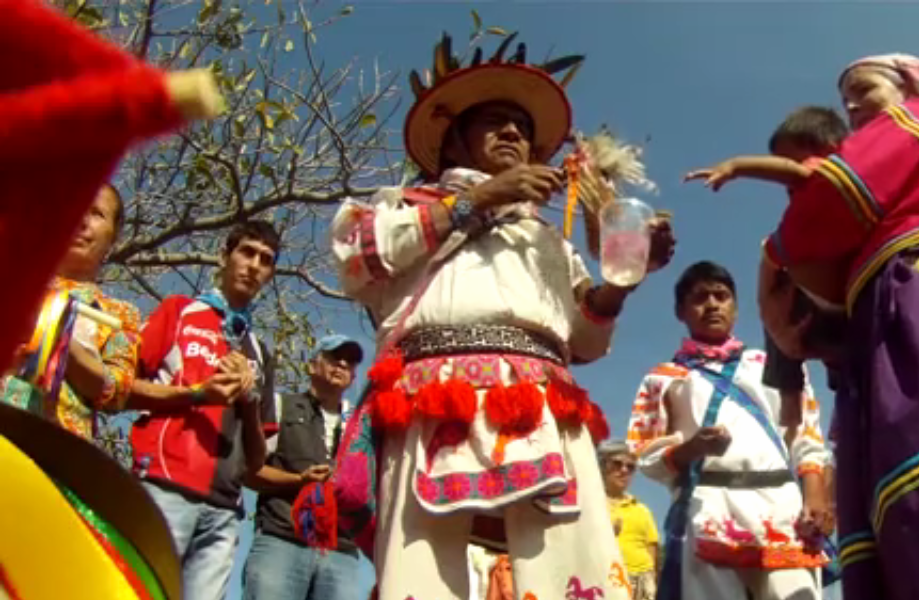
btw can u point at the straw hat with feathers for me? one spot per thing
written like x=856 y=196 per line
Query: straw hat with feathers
x=453 y=88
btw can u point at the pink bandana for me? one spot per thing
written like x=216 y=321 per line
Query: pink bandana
x=723 y=352
x=904 y=65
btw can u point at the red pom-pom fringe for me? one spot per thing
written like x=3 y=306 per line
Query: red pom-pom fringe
x=391 y=409
x=571 y=407
x=516 y=409
x=452 y=400
x=429 y=400
x=566 y=401
x=460 y=400
x=385 y=373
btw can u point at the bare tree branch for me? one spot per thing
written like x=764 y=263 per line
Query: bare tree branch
x=301 y=133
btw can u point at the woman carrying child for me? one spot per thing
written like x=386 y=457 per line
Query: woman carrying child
x=860 y=206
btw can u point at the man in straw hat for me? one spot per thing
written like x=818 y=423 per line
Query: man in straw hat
x=477 y=426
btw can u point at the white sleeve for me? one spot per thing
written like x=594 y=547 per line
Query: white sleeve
x=372 y=242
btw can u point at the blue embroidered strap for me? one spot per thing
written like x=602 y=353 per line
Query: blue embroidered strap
x=743 y=399
x=678 y=515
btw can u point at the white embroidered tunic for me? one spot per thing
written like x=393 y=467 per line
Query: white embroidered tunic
x=730 y=526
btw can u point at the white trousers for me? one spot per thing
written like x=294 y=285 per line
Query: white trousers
x=422 y=556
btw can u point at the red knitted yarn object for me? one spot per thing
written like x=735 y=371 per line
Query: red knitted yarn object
x=315 y=515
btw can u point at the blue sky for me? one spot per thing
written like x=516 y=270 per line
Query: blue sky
x=701 y=81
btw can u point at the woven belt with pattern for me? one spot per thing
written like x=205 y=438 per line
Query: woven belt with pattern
x=478 y=339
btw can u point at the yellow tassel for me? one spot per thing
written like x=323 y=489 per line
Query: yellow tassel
x=571 y=166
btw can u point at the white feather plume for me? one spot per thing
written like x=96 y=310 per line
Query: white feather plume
x=618 y=162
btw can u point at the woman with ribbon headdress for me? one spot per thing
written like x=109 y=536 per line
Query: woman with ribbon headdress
x=67 y=113
x=70 y=106
x=93 y=369
x=474 y=429
x=861 y=206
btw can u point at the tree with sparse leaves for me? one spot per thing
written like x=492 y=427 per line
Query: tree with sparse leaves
x=299 y=135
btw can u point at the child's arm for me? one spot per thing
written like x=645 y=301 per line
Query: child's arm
x=765 y=168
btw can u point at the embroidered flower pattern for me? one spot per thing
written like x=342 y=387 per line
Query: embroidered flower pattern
x=427 y=488
x=523 y=475
x=487 y=485
x=457 y=486
x=553 y=465
x=491 y=485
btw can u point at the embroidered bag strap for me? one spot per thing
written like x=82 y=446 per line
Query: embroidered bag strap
x=678 y=515
x=753 y=408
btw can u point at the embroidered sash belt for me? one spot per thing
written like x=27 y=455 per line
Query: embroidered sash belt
x=478 y=339
x=745 y=479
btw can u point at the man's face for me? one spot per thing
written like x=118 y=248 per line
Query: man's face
x=246 y=269
x=618 y=471
x=497 y=136
x=709 y=312
x=334 y=369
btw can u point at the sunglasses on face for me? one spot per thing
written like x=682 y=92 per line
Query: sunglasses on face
x=620 y=465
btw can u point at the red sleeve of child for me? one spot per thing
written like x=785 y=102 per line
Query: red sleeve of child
x=846 y=197
x=825 y=219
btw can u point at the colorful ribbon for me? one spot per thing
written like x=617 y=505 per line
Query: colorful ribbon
x=135 y=569
x=48 y=348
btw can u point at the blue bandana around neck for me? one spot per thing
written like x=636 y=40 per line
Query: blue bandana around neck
x=236 y=323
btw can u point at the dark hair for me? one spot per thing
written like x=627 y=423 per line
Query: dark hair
x=261 y=231
x=119 y=207
x=813 y=128
x=703 y=271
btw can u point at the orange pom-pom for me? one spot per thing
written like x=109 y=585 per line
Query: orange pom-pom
x=391 y=410
x=460 y=401
x=385 y=373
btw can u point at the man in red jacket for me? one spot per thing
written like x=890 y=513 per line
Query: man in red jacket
x=212 y=398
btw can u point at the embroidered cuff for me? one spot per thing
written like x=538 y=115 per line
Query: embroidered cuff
x=369 y=251
x=427 y=226
x=810 y=469
x=592 y=315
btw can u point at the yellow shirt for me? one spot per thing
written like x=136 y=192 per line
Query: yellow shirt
x=637 y=533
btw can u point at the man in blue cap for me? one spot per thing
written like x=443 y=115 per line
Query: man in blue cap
x=280 y=566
